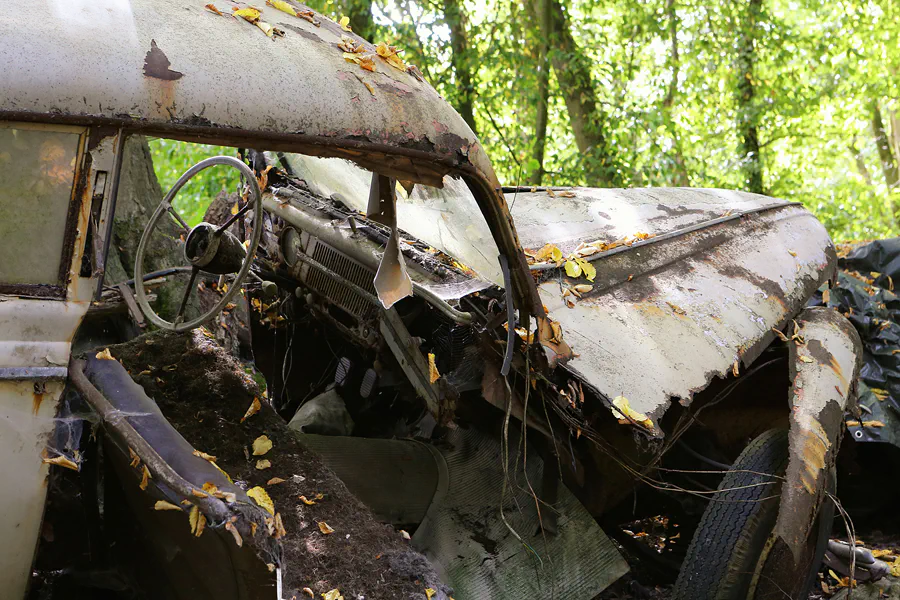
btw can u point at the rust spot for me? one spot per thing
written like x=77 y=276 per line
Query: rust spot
x=156 y=65
x=36 y=403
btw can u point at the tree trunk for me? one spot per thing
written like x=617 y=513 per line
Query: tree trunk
x=543 y=92
x=860 y=162
x=573 y=73
x=462 y=60
x=888 y=161
x=681 y=175
x=747 y=112
x=361 y=21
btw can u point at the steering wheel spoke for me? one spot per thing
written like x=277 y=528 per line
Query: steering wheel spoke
x=217 y=254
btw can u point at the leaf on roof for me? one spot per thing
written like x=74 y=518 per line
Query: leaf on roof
x=251 y=15
x=345 y=23
x=282 y=6
x=390 y=54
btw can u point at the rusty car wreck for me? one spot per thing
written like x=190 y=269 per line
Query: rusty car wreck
x=527 y=368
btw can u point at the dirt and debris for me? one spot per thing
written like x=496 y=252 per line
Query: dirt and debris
x=205 y=393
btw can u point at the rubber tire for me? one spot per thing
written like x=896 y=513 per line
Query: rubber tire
x=732 y=535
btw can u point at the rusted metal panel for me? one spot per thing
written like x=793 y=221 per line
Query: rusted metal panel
x=163 y=65
x=663 y=318
x=825 y=362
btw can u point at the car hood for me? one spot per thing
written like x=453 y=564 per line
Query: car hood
x=697 y=298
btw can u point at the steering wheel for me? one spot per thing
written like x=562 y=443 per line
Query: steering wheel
x=208 y=248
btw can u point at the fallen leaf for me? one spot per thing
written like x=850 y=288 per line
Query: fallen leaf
x=429 y=593
x=229 y=526
x=676 y=309
x=210 y=488
x=261 y=497
x=261 y=445
x=780 y=335
x=135 y=459
x=792 y=253
x=263 y=464
x=404 y=534
x=806 y=359
x=282 y=6
x=255 y=407
x=345 y=24
x=433 y=373
x=565 y=194
x=61 y=461
x=319 y=496
x=306 y=501
x=324 y=528
x=587 y=268
x=212 y=8
x=391 y=55
x=197 y=521
x=270 y=31
x=573 y=269
x=583 y=288
x=365 y=61
x=163 y=505
x=826 y=296
x=280 y=531
x=334 y=594
x=250 y=15
x=865 y=424
x=198 y=493
x=105 y=355
x=275 y=481
x=547 y=253
x=145 y=478
x=734 y=367
x=204 y=456
x=306 y=590
x=622 y=409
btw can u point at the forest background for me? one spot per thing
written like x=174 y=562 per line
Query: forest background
x=794 y=99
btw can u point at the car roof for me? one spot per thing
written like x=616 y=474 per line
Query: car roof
x=183 y=70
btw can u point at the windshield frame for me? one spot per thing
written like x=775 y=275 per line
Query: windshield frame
x=57 y=290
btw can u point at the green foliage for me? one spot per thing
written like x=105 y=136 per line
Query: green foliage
x=171 y=158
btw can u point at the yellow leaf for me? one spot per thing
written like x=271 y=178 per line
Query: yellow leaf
x=429 y=593
x=792 y=253
x=806 y=359
x=163 y=505
x=324 y=528
x=282 y=6
x=573 y=269
x=391 y=55
x=261 y=445
x=61 y=461
x=623 y=409
x=366 y=61
x=275 y=481
x=334 y=594
x=270 y=31
x=145 y=479
x=234 y=209
x=248 y=14
x=105 y=355
x=547 y=253
x=826 y=296
x=197 y=521
x=229 y=526
x=433 y=373
x=135 y=459
x=263 y=464
x=204 y=456
x=306 y=501
x=587 y=268
x=255 y=407
x=865 y=424
x=210 y=488
x=345 y=24
x=261 y=497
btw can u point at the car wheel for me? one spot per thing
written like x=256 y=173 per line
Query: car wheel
x=734 y=553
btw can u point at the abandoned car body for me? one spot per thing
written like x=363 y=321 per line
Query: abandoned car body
x=622 y=328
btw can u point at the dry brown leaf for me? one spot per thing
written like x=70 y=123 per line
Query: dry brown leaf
x=865 y=424
x=255 y=407
x=163 y=505
x=261 y=445
x=229 y=526
x=433 y=373
x=734 y=367
x=307 y=501
x=404 y=534
x=105 y=355
x=780 y=335
x=324 y=528
x=390 y=54
x=306 y=590
x=250 y=15
x=145 y=478
x=212 y=8
x=197 y=521
x=280 y=531
x=676 y=309
x=204 y=456
x=275 y=481
x=135 y=459
x=61 y=461
x=365 y=61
